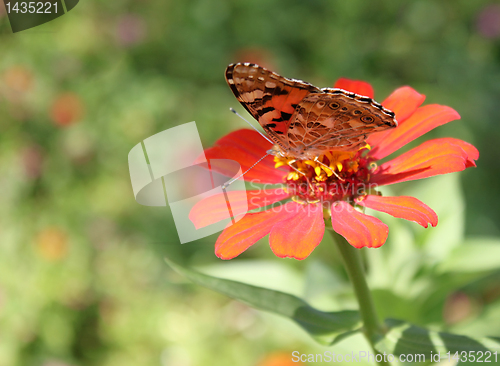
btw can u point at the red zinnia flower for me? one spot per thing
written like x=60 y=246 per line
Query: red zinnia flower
x=344 y=181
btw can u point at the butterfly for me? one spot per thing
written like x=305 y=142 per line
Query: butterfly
x=302 y=120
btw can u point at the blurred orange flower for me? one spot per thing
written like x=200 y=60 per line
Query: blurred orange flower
x=279 y=359
x=17 y=80
x=52 y=243
x=67 y=109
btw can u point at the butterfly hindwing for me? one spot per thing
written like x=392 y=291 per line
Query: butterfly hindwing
x=336 y=119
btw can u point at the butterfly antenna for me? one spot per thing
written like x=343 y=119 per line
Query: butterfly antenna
x=260 y=133
x=224 y=186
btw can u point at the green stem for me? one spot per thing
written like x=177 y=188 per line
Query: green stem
x=354 y=266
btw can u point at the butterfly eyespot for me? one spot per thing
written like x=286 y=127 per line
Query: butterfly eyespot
x=334 y=105
x=313 y=125
x=321 y=104
x=357 y=111
x=344 y=108
x=367 y=119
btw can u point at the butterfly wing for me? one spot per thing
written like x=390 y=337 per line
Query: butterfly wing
x=270 y=98
x=335 y=119
x=302 y=119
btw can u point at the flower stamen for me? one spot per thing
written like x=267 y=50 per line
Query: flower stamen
x=332 y=176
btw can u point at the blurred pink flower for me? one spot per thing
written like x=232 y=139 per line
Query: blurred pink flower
x=130 y=30
x=488 y=21
x=458 y=307
x=32 y=161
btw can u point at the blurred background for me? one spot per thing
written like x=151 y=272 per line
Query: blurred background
x=82 y=275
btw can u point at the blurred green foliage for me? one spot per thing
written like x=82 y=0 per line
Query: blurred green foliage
x=82 y=276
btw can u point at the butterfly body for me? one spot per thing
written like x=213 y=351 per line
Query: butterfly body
x=302 y=120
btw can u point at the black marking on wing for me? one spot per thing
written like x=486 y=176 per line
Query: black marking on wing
x=284 y=117
x=260 y=101
x=276 y=91
x=264 y=111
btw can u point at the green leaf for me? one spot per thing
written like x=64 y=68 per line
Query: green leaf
x=325 y=327
x=475 y=255
x=403 y=339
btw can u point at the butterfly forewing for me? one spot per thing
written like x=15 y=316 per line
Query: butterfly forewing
x=303 y=120
x=270 y=98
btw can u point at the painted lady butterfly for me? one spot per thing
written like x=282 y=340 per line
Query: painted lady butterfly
x=303 y=120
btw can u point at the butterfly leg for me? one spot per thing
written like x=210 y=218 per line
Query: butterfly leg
x=302 y=173
x=316 y=159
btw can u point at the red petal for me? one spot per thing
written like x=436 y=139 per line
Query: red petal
x=470 y=150
x=423 y=120
x=246 y=147
x=237 y=238
x=404 y=207
x=433 y=157
x=297 y=236
x=355 y=86
x=403 y=101
x=214 y=209
x=358 y=229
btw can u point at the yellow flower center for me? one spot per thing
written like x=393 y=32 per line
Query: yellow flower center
x=336 y=162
